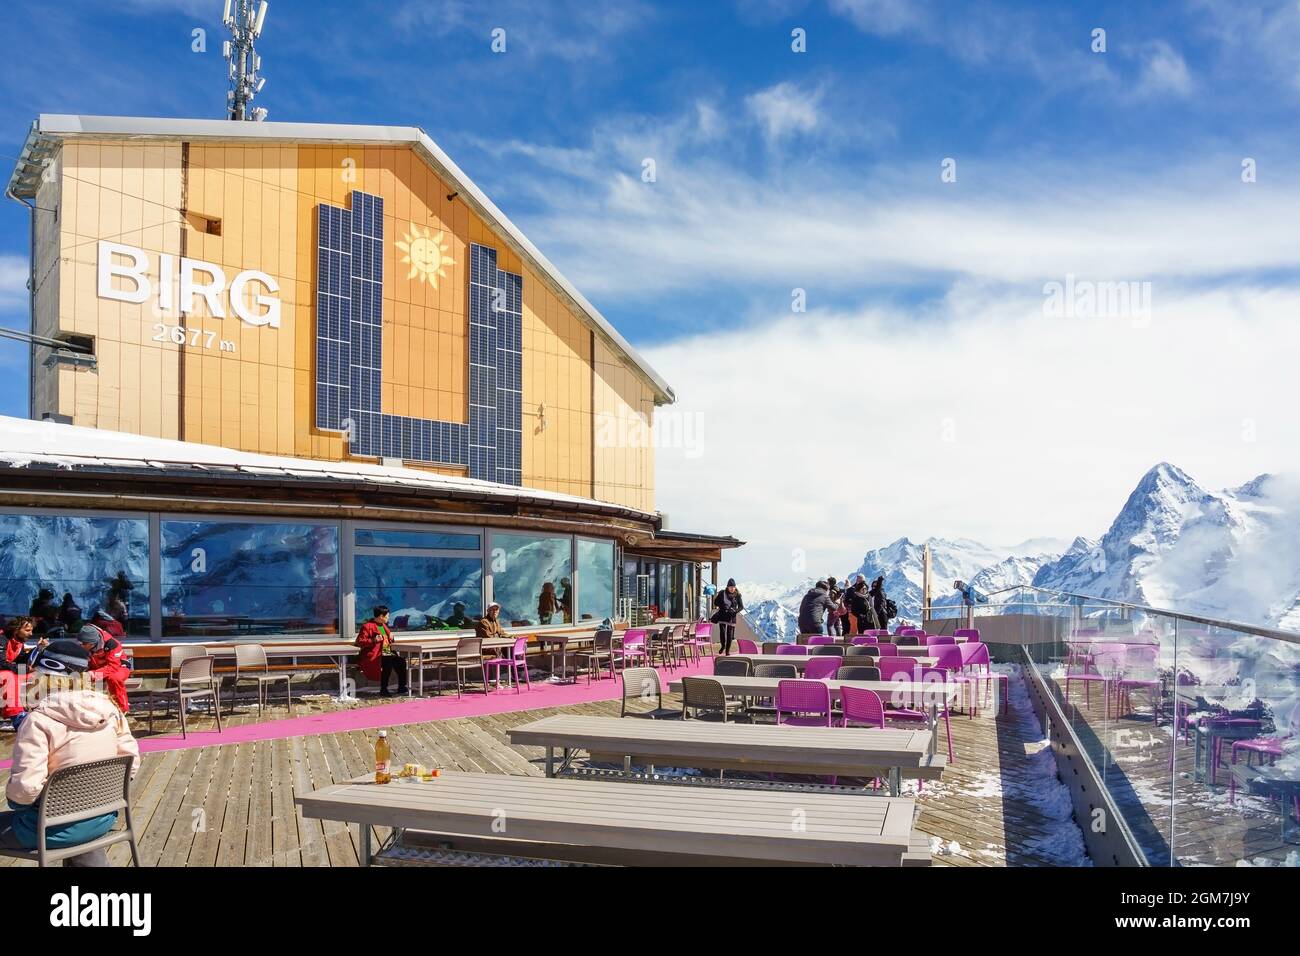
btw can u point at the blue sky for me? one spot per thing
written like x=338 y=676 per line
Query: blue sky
x=779 y=171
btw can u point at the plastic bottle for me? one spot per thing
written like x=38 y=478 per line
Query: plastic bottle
x=383 y=758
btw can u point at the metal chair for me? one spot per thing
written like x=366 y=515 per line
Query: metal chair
x=194 y=681
x=253 y=656
x=638 y=684
x=81 y=792
x=704 y=694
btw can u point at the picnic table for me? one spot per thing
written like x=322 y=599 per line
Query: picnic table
x=930 y=694
x=629 y=823
x=718 y=746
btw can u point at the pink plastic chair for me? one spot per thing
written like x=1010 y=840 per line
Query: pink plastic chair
x=746 y=646
x=820 y=668
x=972 y=634
x=792 y=649
x=704 y=637
x=821 y=639
x=891 y=666
x=1268 y=748
x=976 y=667
x=516 y=663
x=888 y=650
x=878 y=632
x=864 y=639
x=863 y=707
x=633 y=648
x=932 y=639
x=1138 y=673
x=808 y=700
x=1100 y=665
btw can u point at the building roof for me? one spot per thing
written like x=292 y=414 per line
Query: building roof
x=26 y=444
x=52 y=128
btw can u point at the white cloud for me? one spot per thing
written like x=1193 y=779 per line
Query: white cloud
x=784 y=109
x=829 y=432
x=13 y=283
x=1163 y=71
x=885 y=17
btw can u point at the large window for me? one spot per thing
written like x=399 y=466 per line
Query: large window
x=421 y=593
x=61 y=568
x=595 y=580
x=241 y=578
x=532 y=579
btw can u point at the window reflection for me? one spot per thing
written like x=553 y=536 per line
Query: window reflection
x=532 y=579
x=596 y=575
x=234 y=579
x=423 y=593
x=61 y=568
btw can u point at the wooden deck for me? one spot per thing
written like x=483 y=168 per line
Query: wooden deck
x=232 y=805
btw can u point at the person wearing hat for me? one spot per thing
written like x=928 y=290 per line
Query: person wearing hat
x=69 y=722
x=727 y=605
x=489 y=626
x=107 y=662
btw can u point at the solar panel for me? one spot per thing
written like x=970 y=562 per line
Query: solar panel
x=349 y=353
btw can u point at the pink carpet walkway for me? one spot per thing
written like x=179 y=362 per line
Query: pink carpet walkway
x=414 y=711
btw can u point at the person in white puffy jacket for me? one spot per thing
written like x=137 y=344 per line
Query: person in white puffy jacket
x=68 y=722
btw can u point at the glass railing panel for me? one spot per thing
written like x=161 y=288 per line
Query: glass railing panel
x=1236 y=764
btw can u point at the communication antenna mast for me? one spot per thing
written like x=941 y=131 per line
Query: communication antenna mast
x=244 y=19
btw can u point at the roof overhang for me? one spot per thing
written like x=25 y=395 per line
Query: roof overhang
x=52 y=128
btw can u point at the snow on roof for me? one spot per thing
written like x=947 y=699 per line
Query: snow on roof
x=53 y=127
x=24 y=443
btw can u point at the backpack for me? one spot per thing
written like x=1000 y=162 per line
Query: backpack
x=891 y=609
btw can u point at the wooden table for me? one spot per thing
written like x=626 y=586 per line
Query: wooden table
x=338 y=652
x=799 y=660
x=629 y=822
x=929 y=694
x=757 y=747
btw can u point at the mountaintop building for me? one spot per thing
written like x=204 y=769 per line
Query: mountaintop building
x=296 y=370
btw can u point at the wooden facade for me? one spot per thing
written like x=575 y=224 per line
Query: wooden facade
x=252 y=205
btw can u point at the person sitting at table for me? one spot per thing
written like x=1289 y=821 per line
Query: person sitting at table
x=378 y=658
x=489 y=625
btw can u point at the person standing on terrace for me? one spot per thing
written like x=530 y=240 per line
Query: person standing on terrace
x=727 y=605
x=813 y=608
x=546 y=604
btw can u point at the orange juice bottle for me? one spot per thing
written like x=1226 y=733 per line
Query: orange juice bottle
x=383 y=759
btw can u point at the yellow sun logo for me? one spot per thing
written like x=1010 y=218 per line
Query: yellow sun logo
x=425 y=253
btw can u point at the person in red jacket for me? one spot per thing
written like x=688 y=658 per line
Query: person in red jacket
x=13 y=669
x=107 y=662
x=378 y=660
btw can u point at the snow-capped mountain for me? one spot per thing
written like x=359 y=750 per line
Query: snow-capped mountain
x=1232 y=555
x=773 y=609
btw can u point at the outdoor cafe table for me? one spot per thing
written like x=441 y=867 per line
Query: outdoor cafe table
x=725 y=746
x=437 y=651
x=1208 y=734
x=559 y=818
x=898 y=692
x=338 y=652
x=799 y=660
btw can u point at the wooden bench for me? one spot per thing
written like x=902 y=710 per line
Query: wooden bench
x=763 y=748
x=626 y=824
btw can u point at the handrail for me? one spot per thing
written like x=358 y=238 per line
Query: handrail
x=1291 y=637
